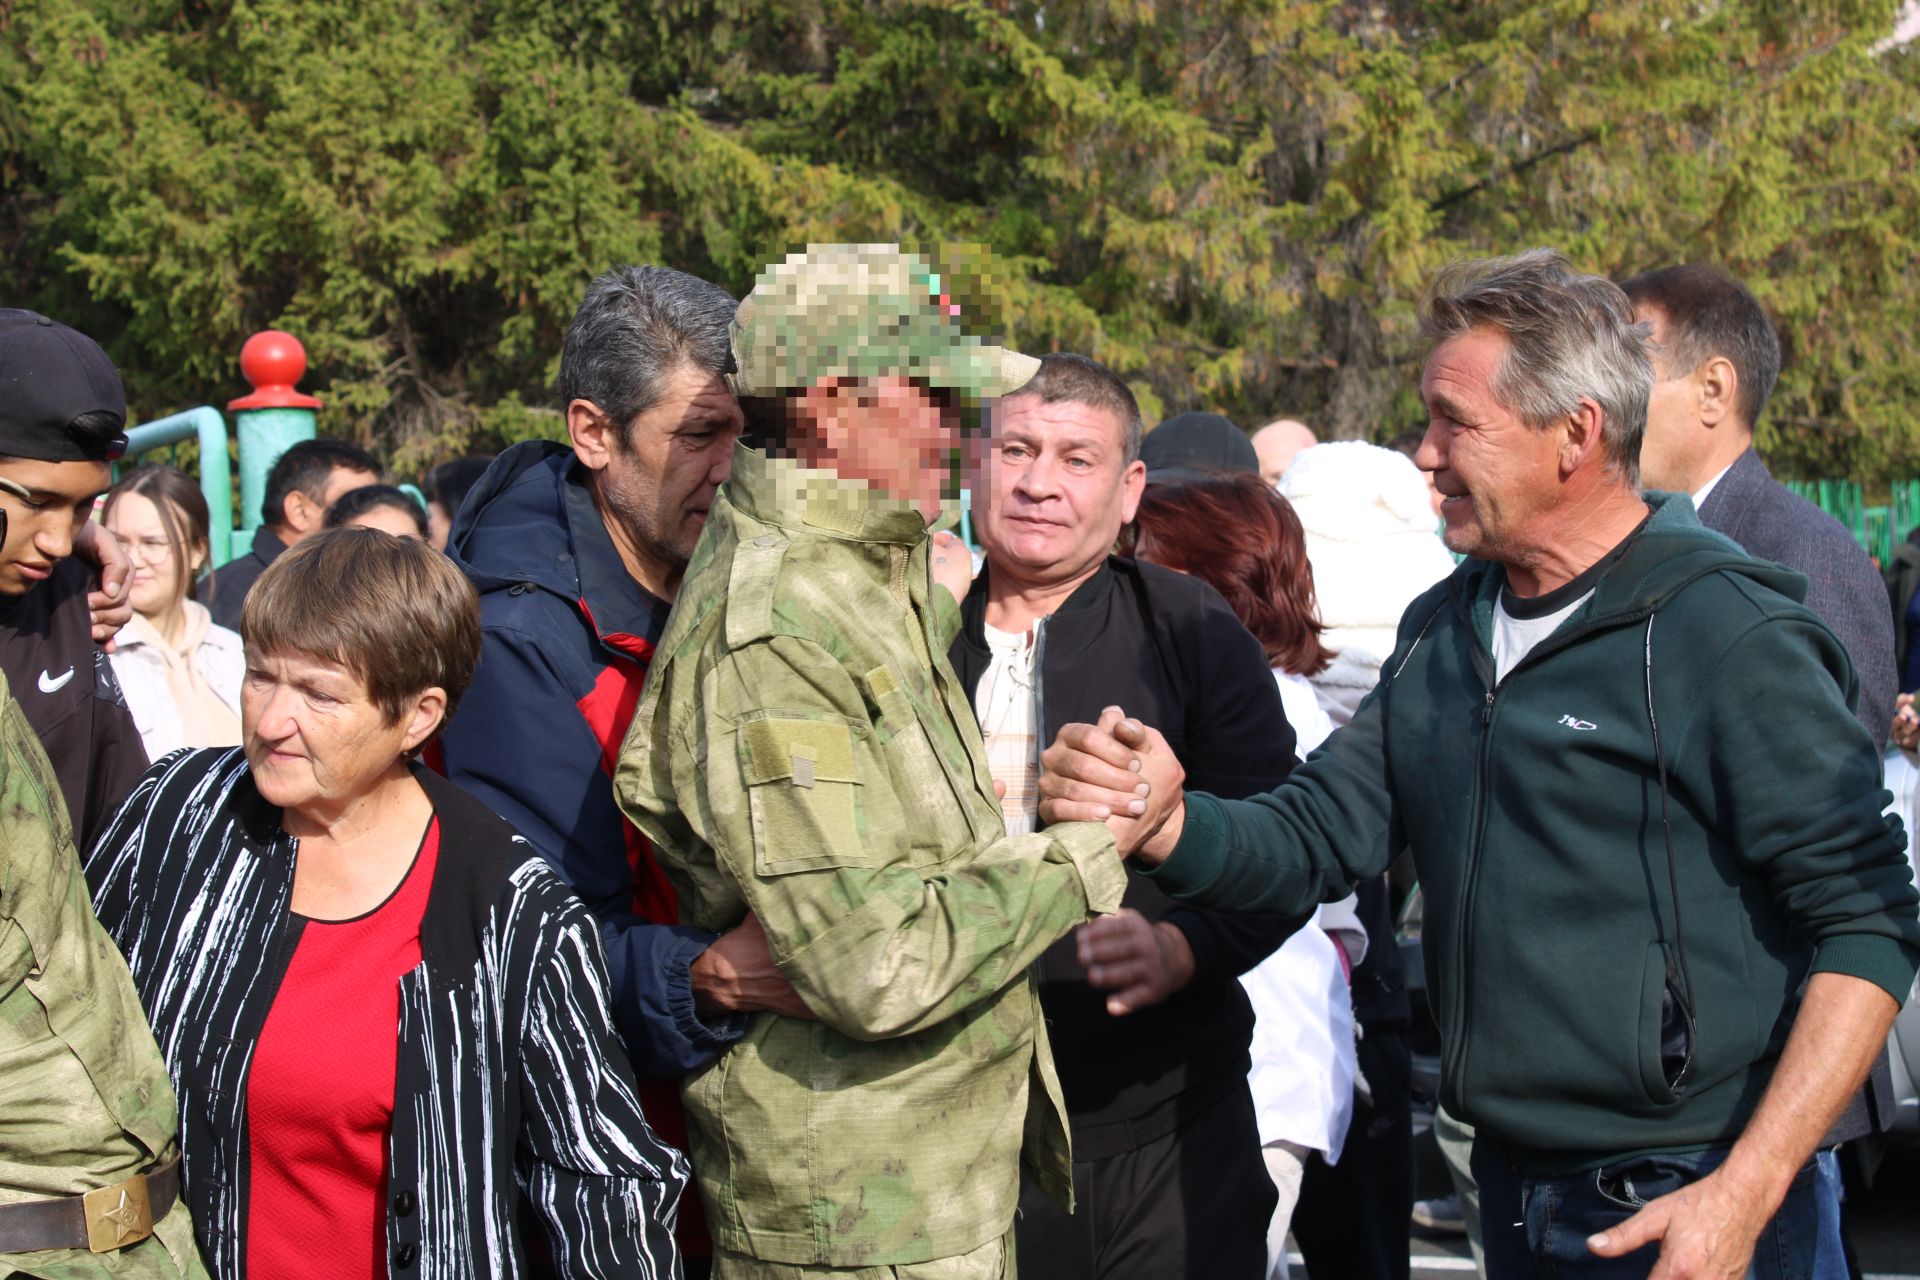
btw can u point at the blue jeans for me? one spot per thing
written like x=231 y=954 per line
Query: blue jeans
x=1830 y=1261
x=1537 y=1228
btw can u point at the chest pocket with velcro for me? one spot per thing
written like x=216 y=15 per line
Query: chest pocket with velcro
x=933 y=820
x=802 y=793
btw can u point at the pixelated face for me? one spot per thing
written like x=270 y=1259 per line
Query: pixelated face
x=895 y=435
x=1498 y=475
x=58 y=500
x=1058 y=488
x=665 y=468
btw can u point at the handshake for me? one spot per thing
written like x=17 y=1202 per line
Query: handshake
x=1119 y=772
x=1124 y=774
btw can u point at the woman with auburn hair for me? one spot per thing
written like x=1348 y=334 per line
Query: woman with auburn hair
x=1243 y=540
x=385 y=1017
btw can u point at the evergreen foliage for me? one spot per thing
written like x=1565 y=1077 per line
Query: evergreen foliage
x=1235 y=204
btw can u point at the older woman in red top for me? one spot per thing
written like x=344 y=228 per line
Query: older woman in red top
x=386 y=1019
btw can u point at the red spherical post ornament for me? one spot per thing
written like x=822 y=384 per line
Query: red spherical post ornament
x=273 y=418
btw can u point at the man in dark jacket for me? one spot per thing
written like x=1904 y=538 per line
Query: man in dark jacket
x=577 y=551
x=1715 y=359
x=1625 y=759
x=1150 y=1026
x=61 y=412
x=304 y=481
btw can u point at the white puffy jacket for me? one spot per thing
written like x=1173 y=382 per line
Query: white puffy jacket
x=1372 y=542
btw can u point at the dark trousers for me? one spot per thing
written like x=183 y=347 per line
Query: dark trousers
x=1352 y=1219
x=1537 y=1228
x=1194 y=1202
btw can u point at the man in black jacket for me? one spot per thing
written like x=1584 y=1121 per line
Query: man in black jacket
x=61 y=412
x=305 y=480
x=1149 y=1024
x=1715 y=359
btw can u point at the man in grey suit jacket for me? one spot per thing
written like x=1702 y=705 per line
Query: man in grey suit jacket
x=1715 y=360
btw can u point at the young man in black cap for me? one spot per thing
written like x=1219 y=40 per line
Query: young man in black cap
x=61 y=414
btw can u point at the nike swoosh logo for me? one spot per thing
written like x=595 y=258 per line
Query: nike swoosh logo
x=50 y=683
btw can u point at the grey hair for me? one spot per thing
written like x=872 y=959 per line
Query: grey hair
x=635 y=327
x=1570 y=337
x=1067 y=378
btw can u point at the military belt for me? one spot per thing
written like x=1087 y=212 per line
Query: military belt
x=100 y=1221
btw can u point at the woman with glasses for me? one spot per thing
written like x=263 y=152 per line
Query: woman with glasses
x=180 y=672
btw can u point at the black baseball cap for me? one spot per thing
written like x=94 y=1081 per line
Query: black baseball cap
x=51 y=375
x=1196 y=446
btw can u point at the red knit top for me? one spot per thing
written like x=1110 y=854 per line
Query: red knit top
x=320 y=1092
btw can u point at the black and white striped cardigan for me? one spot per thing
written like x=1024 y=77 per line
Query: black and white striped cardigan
x=510 y=1078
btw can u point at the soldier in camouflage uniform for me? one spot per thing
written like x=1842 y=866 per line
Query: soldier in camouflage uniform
x=86 y=1104
x=804 y=752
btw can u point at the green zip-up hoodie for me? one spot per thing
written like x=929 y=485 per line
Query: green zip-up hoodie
x=1533 y=810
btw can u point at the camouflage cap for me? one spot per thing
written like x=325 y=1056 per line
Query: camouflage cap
x=861 y=311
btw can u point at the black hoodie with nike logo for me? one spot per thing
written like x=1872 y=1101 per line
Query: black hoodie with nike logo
x=64 y=683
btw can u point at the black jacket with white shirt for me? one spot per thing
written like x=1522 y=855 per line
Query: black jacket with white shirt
x=64 y=683
x=1167 y=649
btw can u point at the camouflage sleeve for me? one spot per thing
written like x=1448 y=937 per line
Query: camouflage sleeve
x=946 y=618
x=883 y=927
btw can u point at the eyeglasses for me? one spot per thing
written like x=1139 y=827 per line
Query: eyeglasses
x=153 y=551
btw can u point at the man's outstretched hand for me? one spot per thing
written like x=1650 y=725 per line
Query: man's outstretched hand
x=1140 y=961
x=111 y=604
x=1119 y=772
x=736 y=974
x=1906 y=723
x=952 y=565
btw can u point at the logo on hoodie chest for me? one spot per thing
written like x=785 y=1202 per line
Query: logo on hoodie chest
x=1575 y=722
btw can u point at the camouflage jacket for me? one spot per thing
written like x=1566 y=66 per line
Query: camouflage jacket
x=84 y=1093
x=804 y=752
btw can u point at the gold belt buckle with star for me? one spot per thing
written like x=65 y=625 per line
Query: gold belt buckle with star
x=119 y=1215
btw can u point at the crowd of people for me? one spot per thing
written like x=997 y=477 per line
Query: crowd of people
x=446 y=889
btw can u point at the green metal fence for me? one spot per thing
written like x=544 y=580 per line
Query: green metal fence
x=267 y=421
x=1877 y=529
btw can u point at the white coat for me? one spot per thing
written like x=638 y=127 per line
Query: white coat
x=1371 y=540
x=141 y=670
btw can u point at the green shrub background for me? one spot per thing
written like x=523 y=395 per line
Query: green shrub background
x=1235 y=204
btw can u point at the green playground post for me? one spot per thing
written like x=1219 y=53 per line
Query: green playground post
x=216 y=467
x=272 y=419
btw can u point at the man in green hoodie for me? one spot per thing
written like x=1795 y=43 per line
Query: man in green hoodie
x=1622 y=755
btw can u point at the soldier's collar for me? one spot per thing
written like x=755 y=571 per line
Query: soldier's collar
x=780 y=491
